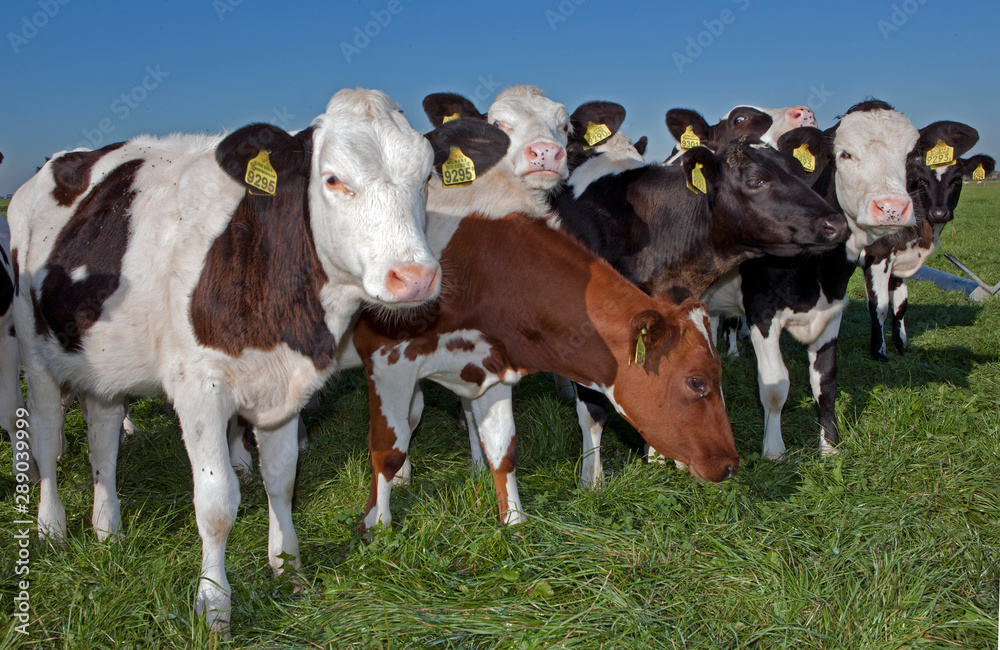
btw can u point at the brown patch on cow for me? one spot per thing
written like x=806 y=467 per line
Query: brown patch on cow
x=463 y=344
x=392 y=357
x=95 y=239
x=473 y=374
x=262 y=276
x=71 y=173
x=421 y=346
x=507 y=465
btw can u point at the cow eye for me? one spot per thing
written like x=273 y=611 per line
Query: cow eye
x=756 y=183
x=333 y=183
x=845 y=156
x=740 y=119
x=500 y=125
x=698 y=385
x=564 y=127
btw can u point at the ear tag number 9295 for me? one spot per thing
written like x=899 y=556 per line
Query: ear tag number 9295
x=261 y=175
x=458 y=169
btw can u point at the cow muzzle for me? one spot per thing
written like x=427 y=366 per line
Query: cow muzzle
x=801 y=116
x=545 y=158
x=413 y=283
x=891 y=211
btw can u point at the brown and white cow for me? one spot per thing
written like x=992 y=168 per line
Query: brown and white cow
x=222 y=272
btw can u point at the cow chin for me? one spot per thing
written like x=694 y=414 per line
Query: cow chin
x=543 y=180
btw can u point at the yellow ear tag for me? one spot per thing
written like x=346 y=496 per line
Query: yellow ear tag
x=688 y=139
x=697 y=182
x=261 y=175
x=941 y=155
x=595 y=133
x=449 y=118
x=979 y=174
x=804 y=156
x=458 y=169
x=640 y=350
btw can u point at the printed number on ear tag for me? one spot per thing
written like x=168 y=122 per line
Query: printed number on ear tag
x=689 y=139
x=595 y=133
x=261 y=175
x=804 y=156
x=458 y=169
x=697 y=182
x=941 y=155
x=979 y=174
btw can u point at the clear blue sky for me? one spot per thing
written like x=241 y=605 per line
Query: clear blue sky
x=103 y=71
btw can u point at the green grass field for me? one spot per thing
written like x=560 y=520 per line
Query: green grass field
x=3 y=207
x=893 y=543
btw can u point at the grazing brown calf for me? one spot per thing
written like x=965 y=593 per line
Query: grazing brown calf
x=519 y=297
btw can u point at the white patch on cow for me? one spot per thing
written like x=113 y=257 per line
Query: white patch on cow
x=515 y=512
x=616 y=155
x=380 y=514
x=79 y=274
x=698 y=316
x=528 y=117
x=592 y=470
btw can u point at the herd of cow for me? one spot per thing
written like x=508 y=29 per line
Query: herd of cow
x=237 y=274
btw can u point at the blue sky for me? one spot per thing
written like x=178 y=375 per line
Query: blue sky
x=83 y=72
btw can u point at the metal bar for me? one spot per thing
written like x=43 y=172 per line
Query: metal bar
x=991 y=290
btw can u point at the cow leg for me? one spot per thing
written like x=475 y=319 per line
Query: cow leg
x=877 y=278
x=494 y=416
x=823 y=378
x=900 y=294
x=389 y=401
x=279 y=451
x=731 y=333
x=45 y=419
x=216 y=495
x=237 y=436
x=405 y=473
x=772 y=381
x=11 y=401
x=592 y=413
x=564 y=387
x=475 y=444
x=104 y=424
x=128 y=426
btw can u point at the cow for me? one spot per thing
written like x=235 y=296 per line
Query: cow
x=652 y=224
x=221 y=271
x=935 y=190
x=689 y=128
x=865 y=177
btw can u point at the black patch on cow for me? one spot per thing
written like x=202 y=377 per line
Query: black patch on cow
x=484 y=143
x=6 y=292
x=869 y=104
x=17 y=271
x=640 y=145
x=95 y=239
x=826 y=366
x=262 y=276
x=71 y=173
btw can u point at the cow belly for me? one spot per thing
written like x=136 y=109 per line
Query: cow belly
x=807 y=327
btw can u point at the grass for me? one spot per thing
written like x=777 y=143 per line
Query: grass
x=894 y=543
x=3 y=207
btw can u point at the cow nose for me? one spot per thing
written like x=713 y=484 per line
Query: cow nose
x=730 y=472
x=801 y=116
x=544 y=155
x=413 y=282
x=891 y=211
x=835 y=231
x=938 y=214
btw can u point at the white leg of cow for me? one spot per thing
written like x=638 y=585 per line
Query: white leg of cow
x=772 y=380
x=388 y=437
x=823 y=379
x=104 y=423
x=877 y=278
x=591 y=471
x=900 y=295
x=216 y=495
x=405 y=473
x=45 y=419
x=494 y=417
x=279 y=451
x=239 y=451
x=475 y=444
x=128 y=426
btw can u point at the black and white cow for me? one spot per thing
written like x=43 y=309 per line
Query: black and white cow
x=866 y=179
x=768 y=124
x=935 y=191
x=222 y=272
x=654 y=225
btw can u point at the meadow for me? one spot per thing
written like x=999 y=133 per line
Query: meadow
x=892 y=543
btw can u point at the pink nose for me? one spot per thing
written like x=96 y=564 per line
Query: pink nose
x=801 y=116
x=544 y=156
x=414 y=282
x=891 y=212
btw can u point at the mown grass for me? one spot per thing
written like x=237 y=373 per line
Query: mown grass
x=894 y=543
x=3 y=207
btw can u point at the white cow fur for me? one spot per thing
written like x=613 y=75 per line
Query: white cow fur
x=145 y=343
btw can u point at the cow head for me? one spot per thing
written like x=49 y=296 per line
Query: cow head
x=938 y=189
x=596 y=131
x=671 y=392
x=367 y=173
x=772 y=209
x=871 y=144
x=768 y=124
x=537 y=128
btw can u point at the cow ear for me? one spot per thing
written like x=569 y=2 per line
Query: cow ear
x=640 y=145
x=651 y=337
x=679 y=119
x=276 y=152
x=701 y=161
x=590 y=117
x=447 y=106
x=484 y=143
x=970 y=165
x=961 y=137
x=809 y=146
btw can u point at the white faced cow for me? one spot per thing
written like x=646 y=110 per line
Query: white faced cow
x=222 y=272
